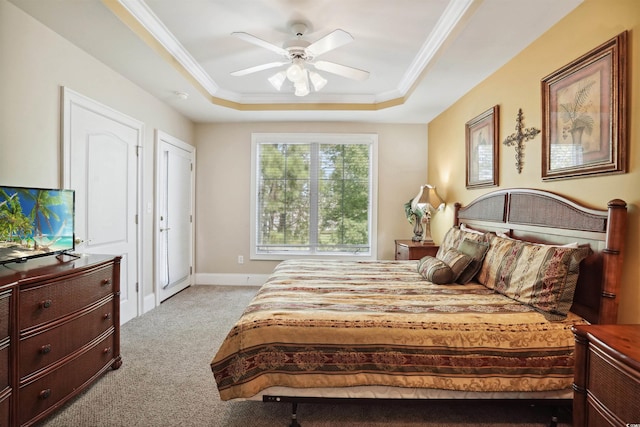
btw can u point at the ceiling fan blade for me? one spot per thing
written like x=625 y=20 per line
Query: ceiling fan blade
x=259 y=42
x=329 y=42
x=342 y=70
x=257 y=68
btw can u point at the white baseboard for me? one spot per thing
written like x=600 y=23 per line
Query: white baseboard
x=149 y=303
x=230 y=279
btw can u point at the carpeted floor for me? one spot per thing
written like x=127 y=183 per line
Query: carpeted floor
x=165 y=380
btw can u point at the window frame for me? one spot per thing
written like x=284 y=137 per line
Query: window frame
x=321 y=138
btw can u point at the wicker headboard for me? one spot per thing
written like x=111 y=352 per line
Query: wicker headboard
x=544 y=217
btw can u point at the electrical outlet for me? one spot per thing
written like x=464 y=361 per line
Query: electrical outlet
x=240 y=259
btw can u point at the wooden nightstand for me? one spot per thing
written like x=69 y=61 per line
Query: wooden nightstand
x=607 y=375
x=408 y=249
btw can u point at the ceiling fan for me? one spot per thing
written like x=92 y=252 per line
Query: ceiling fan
x=299 y=53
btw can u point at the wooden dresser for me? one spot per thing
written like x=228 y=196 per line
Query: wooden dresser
x=63 y=316
x=408 y=249
x=6 y=390
x=607 y=375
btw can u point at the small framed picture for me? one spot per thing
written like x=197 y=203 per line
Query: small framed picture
x=584 y=128
x=481 y=134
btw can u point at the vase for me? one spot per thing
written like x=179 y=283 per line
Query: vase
x=417 y=230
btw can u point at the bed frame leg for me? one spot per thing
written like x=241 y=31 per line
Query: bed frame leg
x=554 y=416
x=294 y=415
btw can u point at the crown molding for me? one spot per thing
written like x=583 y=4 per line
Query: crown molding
x=145 y=24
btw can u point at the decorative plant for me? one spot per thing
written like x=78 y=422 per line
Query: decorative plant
x=575 y=114
x=412 y=214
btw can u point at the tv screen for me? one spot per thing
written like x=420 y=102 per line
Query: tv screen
x=35 y=222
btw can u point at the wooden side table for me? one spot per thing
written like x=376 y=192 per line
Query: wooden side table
x=607 y=375
x=408 y=249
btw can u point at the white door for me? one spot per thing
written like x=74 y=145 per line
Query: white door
x=174 y=215
x=100 y=162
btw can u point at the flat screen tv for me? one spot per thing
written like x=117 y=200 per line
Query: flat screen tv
x=35 y=222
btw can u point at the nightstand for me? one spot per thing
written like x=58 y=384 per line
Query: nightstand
x=408 y=249
x=607 y=375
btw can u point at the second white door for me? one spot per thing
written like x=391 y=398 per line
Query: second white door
x=174 y=221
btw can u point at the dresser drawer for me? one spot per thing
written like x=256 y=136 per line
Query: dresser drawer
x=5 y=402
x=4 y=365
x=46 y=347
x=5 y=299
x=402 y=252
x=40 y=304
x=612 y=385
x=59 y=385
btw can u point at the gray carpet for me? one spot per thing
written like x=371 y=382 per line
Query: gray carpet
x=165 y=380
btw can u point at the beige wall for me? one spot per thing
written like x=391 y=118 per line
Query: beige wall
x=223 y=185
x=517 y=85
x=34 y=63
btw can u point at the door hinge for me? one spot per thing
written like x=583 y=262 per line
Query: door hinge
x=136 y=219
x=138 y=148
x=190 y=270
x=137 y=287
x=190 y=218
x=191 y=165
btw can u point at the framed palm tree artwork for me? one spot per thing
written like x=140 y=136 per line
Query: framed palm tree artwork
x=584 y=127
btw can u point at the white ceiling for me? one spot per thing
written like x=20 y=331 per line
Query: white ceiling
x=422 y=55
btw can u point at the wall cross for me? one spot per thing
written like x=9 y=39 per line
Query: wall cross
x=518 y=138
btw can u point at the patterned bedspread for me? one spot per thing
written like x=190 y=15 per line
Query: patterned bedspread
x=352 y=323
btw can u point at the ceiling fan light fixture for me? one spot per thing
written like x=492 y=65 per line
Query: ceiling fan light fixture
x=317 y=81
x=295 y=72
x=277 y=80
x=301 y=89
x=302 y=85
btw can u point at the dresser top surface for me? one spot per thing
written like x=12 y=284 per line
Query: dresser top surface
x=622 y=339
x=47 y=266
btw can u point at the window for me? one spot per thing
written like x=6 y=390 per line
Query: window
x=313 y=194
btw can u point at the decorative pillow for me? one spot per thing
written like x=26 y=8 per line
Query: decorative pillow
x=455 y=235
x=566 y=245
x=542 y=276
x=456 y=260
x=435 y=270
x=499 y=257
x=476 y=251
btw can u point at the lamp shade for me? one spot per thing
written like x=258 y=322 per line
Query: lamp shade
x=427 y=198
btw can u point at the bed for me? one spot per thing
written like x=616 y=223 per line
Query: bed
x=321 y=329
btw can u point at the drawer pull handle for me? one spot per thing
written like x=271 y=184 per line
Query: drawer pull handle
x=45 y=349
x=44 y=394
x=107 y=316
x=106 y=282
x=107 y=350
x=46 y=303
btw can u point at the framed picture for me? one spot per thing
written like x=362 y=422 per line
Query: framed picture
x=584 y=126
x=481 y=134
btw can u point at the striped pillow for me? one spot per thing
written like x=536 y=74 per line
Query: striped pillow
x=435 y=270
x=457 y=261
x=455 y=236
x=542 y=276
